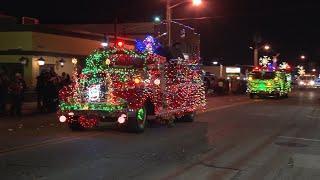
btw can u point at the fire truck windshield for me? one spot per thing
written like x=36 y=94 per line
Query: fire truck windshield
x=264 y=75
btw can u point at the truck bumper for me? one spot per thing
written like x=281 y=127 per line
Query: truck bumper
x=99 y=115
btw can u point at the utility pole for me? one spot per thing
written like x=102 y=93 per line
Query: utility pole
x=255 y=56
x=115 y=26
x=221 y=71
x=169 y=8
x=256 y=42
x=169 y=19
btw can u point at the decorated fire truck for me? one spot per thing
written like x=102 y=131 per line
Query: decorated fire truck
x=270 y=81
x=126 y=86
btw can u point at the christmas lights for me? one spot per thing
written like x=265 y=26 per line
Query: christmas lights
x=116 y=80
x=269 y=81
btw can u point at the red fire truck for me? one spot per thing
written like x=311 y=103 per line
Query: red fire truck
x=126 y=86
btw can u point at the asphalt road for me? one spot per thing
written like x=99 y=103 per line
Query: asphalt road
x=235 y=138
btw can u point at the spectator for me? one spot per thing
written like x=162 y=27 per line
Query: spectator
x=40 y=90
x=16 y=91
x=48 y=86
x=4 y=80
x=219 y=86
x=46 y=91
x=53 y=87
x=65 y=79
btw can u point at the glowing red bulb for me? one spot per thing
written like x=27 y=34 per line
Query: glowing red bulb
x=120 y=44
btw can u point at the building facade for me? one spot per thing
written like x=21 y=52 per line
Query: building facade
x=185 y=36
x=22 y=46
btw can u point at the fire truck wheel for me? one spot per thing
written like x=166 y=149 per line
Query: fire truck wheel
x=188 y=117
x=137 y=124
x=75 y=126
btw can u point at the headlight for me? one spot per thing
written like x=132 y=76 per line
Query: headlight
x=249 y=78
x=269 y=84
x=62 y=118
x=301 y=83
x=276 y=78
x=311 y=83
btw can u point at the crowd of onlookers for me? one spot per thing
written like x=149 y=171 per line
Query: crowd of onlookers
x=12 y=91
x=221 y=86
x=48 y=86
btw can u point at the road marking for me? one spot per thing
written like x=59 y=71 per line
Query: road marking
x=309 y=161
x=296 y=138
x=241 y=161
x=228 y=106
x=45 y=143
x=312 y=117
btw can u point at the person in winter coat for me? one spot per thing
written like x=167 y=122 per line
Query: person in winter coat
x=16 y=92
x=4 y=81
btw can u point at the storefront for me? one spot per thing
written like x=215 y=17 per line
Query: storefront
x=30 y=49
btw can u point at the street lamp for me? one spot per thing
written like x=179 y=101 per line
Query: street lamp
x=157 y=19
x=24 y=61
x=61 y=62
x=266 y=47
x=74 y=61
x=41 y=61
x=105 y=41
x=196 y=2
x=169 y=14
x=104 y=44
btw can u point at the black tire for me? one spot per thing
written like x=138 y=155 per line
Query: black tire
x=251 y=95
x=286 y=95
x=137 y=123
x=75 y=126
x=190 y=117
x=277 y=96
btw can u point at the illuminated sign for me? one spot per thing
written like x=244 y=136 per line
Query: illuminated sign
x=94 y=93
x=233 y=70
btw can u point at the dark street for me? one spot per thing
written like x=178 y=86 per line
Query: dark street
x=236 y=138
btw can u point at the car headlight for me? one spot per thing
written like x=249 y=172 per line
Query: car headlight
x=311 y=83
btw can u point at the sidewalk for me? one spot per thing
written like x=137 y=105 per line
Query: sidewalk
x=28 y=109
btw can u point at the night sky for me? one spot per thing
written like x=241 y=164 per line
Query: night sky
x=290 y=27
